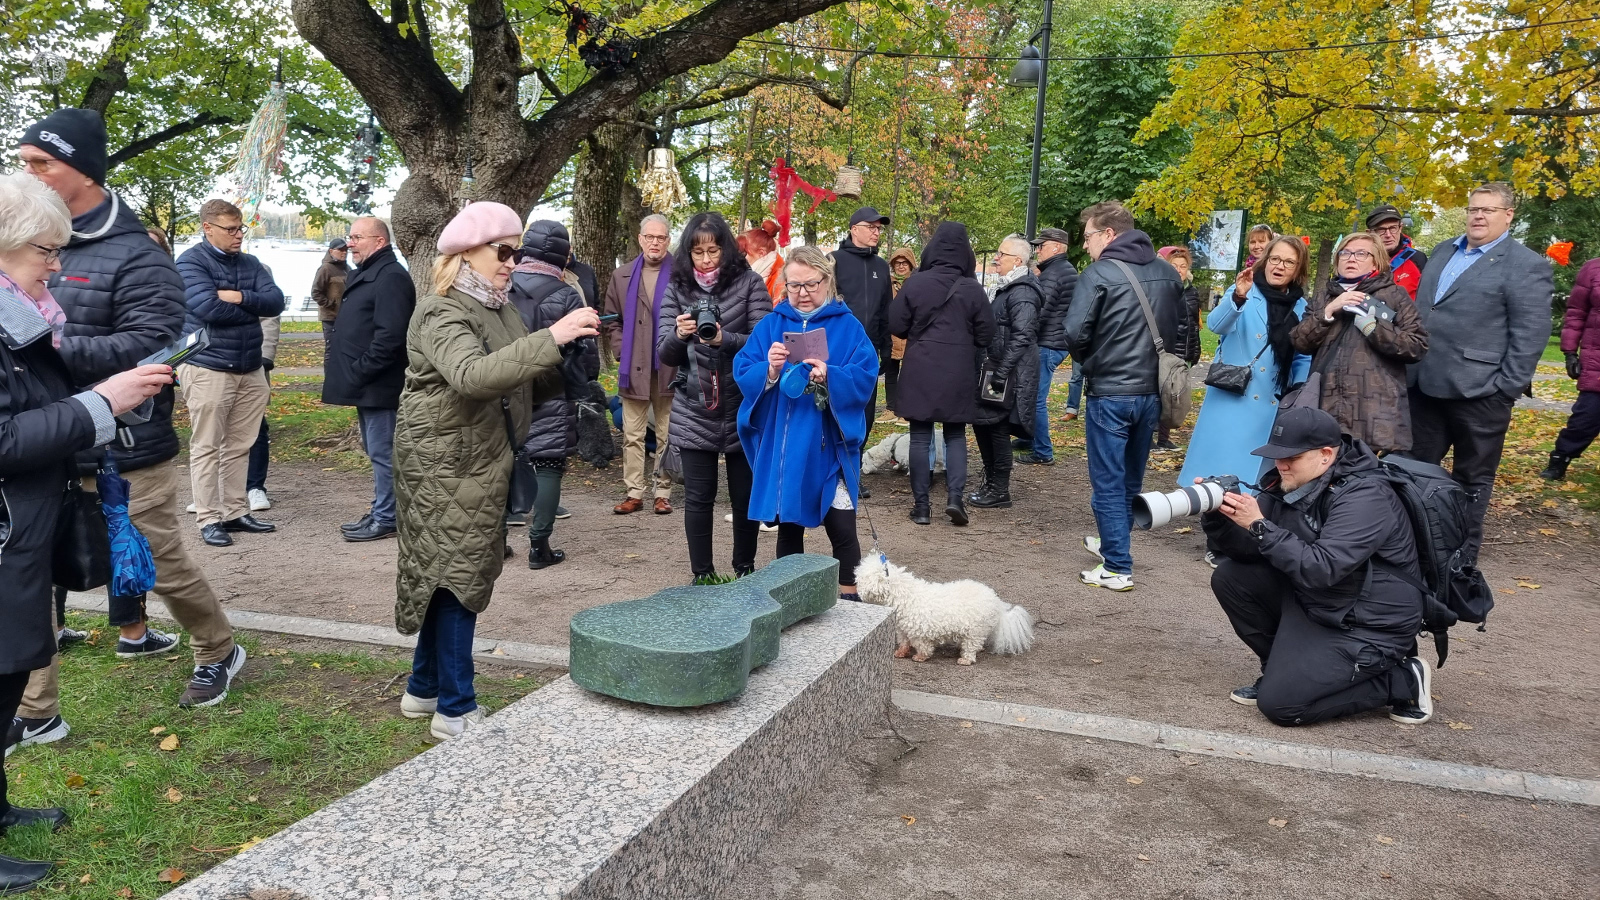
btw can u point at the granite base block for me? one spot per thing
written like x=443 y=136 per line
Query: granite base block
x=571 y=794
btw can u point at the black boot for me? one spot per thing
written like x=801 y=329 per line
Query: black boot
x=541 y=556
x=997 y=494
x=17 y=875
x=919 y=513
x=957 y=511
x=1557 y=470
x=984 y=489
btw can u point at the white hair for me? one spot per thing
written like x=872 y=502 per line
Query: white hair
x=1016 y=243
x=656 y=217
x=31 y=213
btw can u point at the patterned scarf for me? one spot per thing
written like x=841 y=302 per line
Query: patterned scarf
x=47 y=306
x=479 y=288
x=538 y=267
x=707 y=280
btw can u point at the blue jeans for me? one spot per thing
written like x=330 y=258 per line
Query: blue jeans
x=377 y=438
x=1049 y=361
x=1075 y=388
x=442 y=666
x=1117 y=431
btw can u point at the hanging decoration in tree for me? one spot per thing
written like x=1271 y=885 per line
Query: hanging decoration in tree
x=1560 y=252
x=788 y=183
x=661 y=187
x=363 y=167
x=529 y=92
x=260 y=151
x=847 y=184
x=51 y=68
x=608 y=48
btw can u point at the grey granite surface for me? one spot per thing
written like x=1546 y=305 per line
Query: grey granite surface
x=571 y=794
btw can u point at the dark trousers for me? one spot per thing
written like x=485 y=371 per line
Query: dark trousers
x=1476 y=430
x=1309 y=672
x=1582 y=426
x=12 y=684
x=994 y=445
x=872 y=409
x=537 y=489
x=327 y=336
x=955 y=461
x=699 y=497
x=260 y=456
x=891 y=382
x=442 y=666
x=841 y=527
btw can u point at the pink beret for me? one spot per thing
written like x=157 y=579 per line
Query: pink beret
x=478 y=224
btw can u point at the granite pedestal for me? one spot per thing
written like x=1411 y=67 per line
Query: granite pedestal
x=567 y=793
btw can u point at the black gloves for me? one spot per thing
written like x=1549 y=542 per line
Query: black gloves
x=1573 y=368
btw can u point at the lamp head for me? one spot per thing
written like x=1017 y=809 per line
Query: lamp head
x=1028 y=70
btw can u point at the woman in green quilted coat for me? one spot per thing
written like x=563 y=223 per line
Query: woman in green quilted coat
x=473 y=375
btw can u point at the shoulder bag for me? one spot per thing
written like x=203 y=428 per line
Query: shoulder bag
x=80 y=559
x=1172 y=372
x=1231 y=378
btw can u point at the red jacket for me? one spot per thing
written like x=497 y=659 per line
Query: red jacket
x=1581 y=328
x=1407 y=265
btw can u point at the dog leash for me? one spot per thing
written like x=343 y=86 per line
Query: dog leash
x=882 y=559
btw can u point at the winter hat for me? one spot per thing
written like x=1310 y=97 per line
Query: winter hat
x=548 y=242
x=77 y=137
x=478 y=224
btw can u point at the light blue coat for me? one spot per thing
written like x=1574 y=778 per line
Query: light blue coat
x=1231 y=425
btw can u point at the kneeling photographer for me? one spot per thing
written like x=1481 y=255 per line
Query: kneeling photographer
x=1310 y=574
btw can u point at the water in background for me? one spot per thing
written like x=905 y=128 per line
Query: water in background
x=293 y=264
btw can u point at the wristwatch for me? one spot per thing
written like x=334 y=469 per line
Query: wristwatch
x=1258 y=529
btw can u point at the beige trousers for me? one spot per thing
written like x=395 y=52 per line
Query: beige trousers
x=635 y=421
x=225 y=410
x=153 y=507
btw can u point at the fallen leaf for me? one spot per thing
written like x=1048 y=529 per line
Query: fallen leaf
x=252 y=798
x=630 y=556
x=1550 y=504
x=248 y=844
x=1385 y=840
x=1460 y=726
x=74 y=780
x=174 y=795
x=519 y=676
x=1385 y=875
x=1022 y=718
x=96 y=792
x=276 y=651
x=86 y=879
x=170 y=875
x=125 y=892
x=130 y=764
x=1096 y=661
x=1548 y=531
x=966 y=724
x=235 y=711
x=168 y=743
x=1184 y=530
x=316 y=665
x=910 y=820
x=1040 y=797
x=1277 y=823
x=158 y=729
x=1144 y=858
x=1528 y=584
x=1190 y=761
x=1134 y=779
x=498 y=651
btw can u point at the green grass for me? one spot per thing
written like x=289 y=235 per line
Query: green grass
x=1552 y=352
x=300 y=326
x=297 y=731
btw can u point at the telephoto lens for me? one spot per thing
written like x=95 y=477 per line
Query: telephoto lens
x=706 y=319
x=1155 y=509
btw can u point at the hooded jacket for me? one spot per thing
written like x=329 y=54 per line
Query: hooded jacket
x=705 y=405
x=1406 y=266
x=543 y=300
x=864 y=283
x=235 y=328
x=1580 y=328
x=124 y=301
x=1058 y=279
x=1014 y=353
x=1106 y=329
x=797 y=452
x=327 y=287
x=943 y=313
x=366 y=360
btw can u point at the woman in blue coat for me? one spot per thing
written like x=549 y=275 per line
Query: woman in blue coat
x=805 y=450
x=1255 y=322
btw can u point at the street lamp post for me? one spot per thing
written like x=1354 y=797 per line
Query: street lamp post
x=1034 y=69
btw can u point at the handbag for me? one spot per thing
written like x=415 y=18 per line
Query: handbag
x=1231 y=378
x=1172 y=372
x=993 y=389
x=80 y=559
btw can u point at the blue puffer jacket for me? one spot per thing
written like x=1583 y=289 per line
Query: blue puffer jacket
x=235 y=328
x=124 y=301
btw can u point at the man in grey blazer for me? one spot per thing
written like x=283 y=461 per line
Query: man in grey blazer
x=1485 y=299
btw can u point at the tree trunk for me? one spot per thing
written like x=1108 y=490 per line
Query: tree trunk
x=1324 y=262
x=597 y=194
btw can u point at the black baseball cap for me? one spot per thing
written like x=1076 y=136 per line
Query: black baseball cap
x=1052 y=234
x=868 y=214
x=1297 y=430
x=336 y=244
x=1383 y=214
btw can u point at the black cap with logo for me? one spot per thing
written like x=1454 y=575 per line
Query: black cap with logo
x=1297 y=430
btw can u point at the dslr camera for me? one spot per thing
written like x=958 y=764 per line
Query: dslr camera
x=1155 y=509
x=707 y=318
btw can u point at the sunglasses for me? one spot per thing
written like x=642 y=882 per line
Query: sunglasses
x=504 y=251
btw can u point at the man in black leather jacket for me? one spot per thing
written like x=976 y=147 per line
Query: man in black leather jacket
x=1108 y=336
x=1057 y=279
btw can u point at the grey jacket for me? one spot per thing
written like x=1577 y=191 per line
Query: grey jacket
x=705 y=413
x=1485 y=334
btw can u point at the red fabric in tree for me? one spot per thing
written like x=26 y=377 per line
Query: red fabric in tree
x=789 y=183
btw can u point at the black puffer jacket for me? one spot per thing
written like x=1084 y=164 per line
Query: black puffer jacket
x=124 y=301
x=1058 y=279
x=1106 y=329
x=863 y=281
x=1190 y=351
x=1324 y=543
x=944 y=315
x=543 y=300
x=366 y=360
x=235 y=328
x=705 y=403
x=1014 y=351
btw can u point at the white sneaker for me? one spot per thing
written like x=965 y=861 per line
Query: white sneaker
x=728 y=517
x=189 y=509
x=417 y=707
x=1092 y=544
x=1211 y=559
x=1099 y=577
x=1422 y=712
x=258 y=500
x=767 y=527
x=446 y=727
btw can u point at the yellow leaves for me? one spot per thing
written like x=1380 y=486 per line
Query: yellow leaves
x=168 y=743
x=1460 y=726
x=170 y=875
x=910 y=820
x=174 y=795
x=159 y=729
x=250 y=843
x=74 y=781
x=1528 y=584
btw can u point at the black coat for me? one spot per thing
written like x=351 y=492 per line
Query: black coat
x=706 y=416
x=944 y=315
x=1323 y=546
x=862 y=279
x=1058 y=279
x=553 y=431
x=1106 y=329
x=366 y=362
x=235 y=328
x=124 y=301
x=41 y=426
x=1014 y=351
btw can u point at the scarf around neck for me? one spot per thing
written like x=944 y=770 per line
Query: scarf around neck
x=1281 y=319
x=532 y=266
x=47 y=307
x=763 y=266
x=629 y=316
x=479 y=288
x=707 y=280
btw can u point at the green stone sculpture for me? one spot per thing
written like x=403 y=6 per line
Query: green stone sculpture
x=689 y=646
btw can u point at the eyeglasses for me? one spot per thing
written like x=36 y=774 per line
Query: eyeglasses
x=653 y=238
x=51 y=254
x=1284 y=262
x=870 y=226
x=1000 y=253
x=234 y=230
x=504 y=251
x=1090 y=234
x=353 y=237
x=1355 y=254
x=809 y=287
x=1485 y=210
x=711 y=252
x=1390 y=228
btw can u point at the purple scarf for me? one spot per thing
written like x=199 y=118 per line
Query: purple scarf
x=624 y=380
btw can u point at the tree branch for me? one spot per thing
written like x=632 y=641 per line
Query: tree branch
x=150 y=142
x=1557 y=112
x=111 y=78
x=544 y=79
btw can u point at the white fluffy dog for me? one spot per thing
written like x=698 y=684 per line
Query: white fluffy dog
x=893 y=454
x=966 y=613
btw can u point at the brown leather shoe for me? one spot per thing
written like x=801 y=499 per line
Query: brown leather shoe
x=663 y=506
x=630 y=505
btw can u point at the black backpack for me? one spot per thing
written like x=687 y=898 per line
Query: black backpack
x=1453 y=589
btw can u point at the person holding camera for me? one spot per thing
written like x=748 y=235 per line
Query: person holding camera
x=1315 y=573
x=1362 y=330
x=1008 y=373
x=713 y=302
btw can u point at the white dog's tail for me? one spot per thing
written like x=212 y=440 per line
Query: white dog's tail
x=1014 y=632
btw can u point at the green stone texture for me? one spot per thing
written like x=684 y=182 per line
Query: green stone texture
x=690 y=646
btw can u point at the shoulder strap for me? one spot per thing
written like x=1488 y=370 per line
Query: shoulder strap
x=917 y=331
x=1144 y=305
